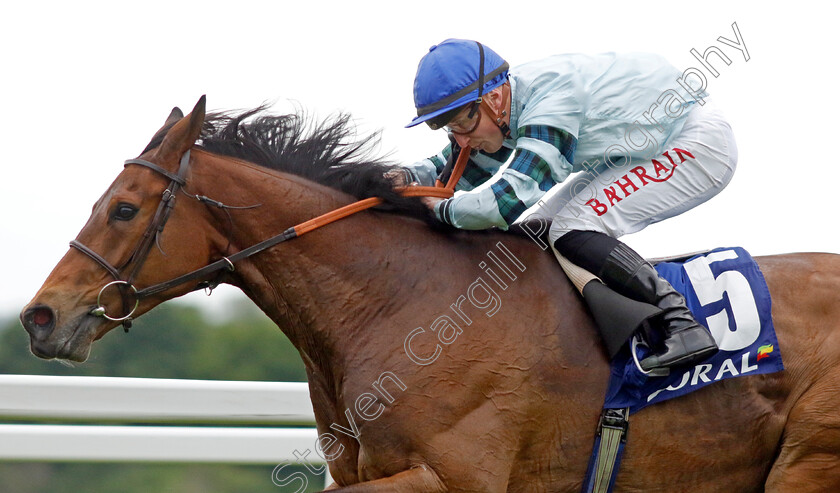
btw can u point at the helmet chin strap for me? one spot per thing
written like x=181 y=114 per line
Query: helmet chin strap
x=499 y=116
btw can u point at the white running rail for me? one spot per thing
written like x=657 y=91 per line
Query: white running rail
x=158 y=420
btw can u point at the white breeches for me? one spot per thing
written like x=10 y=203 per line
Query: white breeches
x=624 y=197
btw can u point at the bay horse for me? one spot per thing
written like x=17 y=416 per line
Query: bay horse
x=425 y=376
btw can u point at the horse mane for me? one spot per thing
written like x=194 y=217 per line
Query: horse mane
x=328 y=152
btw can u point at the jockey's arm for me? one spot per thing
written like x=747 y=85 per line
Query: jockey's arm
x=426 y=171
x=543 y=158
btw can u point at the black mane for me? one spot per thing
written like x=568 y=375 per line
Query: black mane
x=327 y=152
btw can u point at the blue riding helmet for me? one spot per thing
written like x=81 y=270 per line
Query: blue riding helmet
x=452 y=74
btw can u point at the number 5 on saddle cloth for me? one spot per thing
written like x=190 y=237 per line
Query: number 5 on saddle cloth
x=726 y=292
x=723 y=288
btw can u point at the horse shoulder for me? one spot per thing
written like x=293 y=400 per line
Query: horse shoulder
x=805 y=291
x=805 y=288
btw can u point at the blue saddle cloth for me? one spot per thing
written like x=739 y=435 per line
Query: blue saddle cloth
x=726 y=292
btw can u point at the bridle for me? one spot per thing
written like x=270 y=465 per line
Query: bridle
x=167 y=202
x=141 y=251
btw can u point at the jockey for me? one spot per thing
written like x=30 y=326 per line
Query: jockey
x=645 y=146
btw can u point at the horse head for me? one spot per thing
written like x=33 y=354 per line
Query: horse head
x=124 y=244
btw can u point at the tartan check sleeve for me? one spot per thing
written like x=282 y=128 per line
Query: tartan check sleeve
x=478 y=170
x=425 y=172
x=543 y=158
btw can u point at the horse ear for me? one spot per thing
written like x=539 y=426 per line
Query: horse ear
x=183 y=134
x=173 y=117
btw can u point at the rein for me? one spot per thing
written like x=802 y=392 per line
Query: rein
x=167 y=202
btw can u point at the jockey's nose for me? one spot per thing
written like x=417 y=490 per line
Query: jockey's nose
x=462 y=140
x=39 y=321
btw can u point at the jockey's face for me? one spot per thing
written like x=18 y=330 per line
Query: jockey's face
x=479 y=131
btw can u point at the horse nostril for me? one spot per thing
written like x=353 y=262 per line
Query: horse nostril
x=38 y=321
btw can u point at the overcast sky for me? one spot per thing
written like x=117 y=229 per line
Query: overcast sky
x=85 y=85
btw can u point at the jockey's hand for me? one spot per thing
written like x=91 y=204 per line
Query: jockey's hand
x=399 y=177
x=430 y=202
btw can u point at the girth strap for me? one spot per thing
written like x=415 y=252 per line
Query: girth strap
x=608 y=450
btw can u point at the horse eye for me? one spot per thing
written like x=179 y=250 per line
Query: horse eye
x=124 y=212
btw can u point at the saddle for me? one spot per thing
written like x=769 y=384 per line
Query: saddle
x=726 y=292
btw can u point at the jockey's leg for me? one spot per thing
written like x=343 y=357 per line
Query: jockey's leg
x=623 y=270
x=626 y=195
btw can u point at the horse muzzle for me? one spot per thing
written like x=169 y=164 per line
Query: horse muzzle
x=48 y=339
x=39 y=321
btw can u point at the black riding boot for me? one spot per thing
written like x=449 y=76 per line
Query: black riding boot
x=623 y=270
x=686 y=341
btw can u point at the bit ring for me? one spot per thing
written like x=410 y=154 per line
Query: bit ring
x=99 y=311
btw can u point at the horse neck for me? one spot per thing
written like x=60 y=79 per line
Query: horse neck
x=323 y=288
